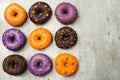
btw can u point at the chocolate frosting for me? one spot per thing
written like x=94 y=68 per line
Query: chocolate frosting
x=14 y=64
x=40 y=13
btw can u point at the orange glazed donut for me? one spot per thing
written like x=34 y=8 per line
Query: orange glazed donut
x=66 y=64
x=15 y=15
x=40 y=38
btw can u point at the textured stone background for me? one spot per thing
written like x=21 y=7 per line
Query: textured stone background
x=98 y=46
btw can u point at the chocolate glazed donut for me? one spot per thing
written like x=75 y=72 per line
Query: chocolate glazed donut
x=40 y=13
x=65 y=37
x=14 y=64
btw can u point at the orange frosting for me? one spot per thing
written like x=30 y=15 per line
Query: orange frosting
x=40 y=38
x=15 y=15
x=66 y=64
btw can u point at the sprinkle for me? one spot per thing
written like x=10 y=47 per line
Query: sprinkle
x=45 y=6
x=31 y=16
x=62 y=30
x=6 y=46
x=65 y=72
x=16 y=43
x=46 y=14
x=4 y=34
x=11 y=35
x=39 y=3
x=77 y=65
x=36 y=20
x=72 y=43
x=35 y=6
x=49 y=9
x=37 y=57
x=74 y=39
x=67 y=58
x=38 y=16
x=56 y=64
x=72 y=63
x=43 y=17
x=61 y=33
x=17 y=30
x=33 y=12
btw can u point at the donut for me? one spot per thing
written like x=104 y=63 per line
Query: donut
x=40 y=38
x=14 y=64
x=66 y=13
x=65 y=37
x=13 y=39
x=40 y=13
x=66 y=64
x=40 y=64
x=15 y=15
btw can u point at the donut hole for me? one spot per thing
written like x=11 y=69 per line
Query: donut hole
x=65 y=37
x=15 y=14
x=39 y=11
x=66 y=64
x=13 y=64
x=64 y=11
x=39 y=38
x=12 y=39
x=38 y=64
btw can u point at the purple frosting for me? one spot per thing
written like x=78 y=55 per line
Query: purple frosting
x=13 y=39
x=66 y=13
x=40 y=64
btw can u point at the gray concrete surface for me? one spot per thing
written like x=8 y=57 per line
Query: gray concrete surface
x=98 y=46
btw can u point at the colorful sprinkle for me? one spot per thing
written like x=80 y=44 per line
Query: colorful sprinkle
x=16 y=43
x=33 y=12
x=72 y=43
x=36 y=20
x=6 y=46
x=49 y=9
x=65 y=72
x=39 y=3
x=11 y=35
x=4 y=34
x=67 y=58
x=56 y=64
x=35 y=6
x=43 y=17
x=45 y=6
x=17 y=30
x=31 y=16
x=46 y=14
x=72 y=63
x=77 y=65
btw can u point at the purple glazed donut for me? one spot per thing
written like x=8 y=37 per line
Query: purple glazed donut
x=40 y=64
x=66 y=13
x=13 y=39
